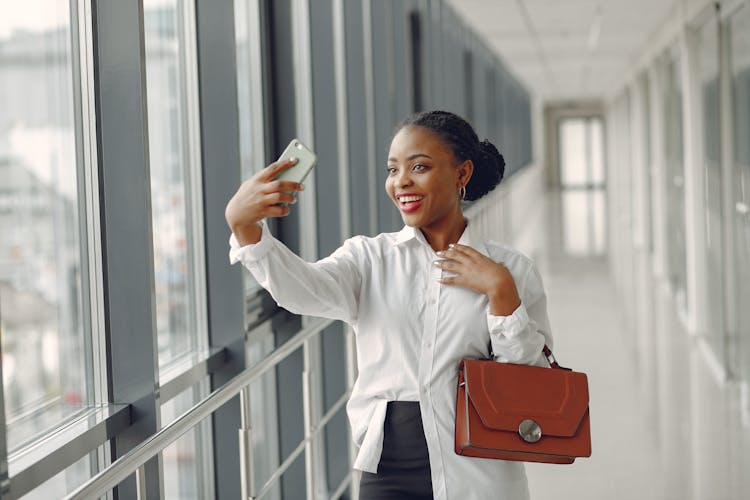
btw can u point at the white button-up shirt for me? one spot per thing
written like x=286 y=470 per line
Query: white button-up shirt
x=411 y=334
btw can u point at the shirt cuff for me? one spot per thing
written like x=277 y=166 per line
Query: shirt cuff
x=509 y=326
x=253 y=251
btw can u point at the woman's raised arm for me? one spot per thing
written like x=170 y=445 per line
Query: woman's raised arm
x=258 y=198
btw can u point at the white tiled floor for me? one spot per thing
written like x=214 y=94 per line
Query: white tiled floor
x=586 y=323
x=668 y=423
x=590 y=336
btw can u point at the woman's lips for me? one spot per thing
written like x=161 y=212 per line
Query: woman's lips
x=410 y=203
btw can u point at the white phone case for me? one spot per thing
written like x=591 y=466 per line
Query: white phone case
x=306 y=160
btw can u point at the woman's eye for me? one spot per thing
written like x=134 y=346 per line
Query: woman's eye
x=419 y=167
x=390 y=170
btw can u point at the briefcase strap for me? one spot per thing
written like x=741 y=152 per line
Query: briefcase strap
x=551 y=359
x=547 y=354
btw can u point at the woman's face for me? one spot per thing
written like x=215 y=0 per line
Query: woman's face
x=423 y=178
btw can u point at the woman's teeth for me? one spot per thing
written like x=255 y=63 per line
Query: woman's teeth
x=407 y=199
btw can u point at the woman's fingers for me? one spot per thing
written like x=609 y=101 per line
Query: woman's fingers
x=465 y=250
x=447 y=264
x=279 y=197
x=454 y=253
x=274 y=169
x=457 y=280
x=276 y=186
x=278 y=211
x=472 y=269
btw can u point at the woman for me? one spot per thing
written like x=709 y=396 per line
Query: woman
x=419 y=300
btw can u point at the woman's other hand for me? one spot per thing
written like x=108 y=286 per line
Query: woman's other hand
x=260 y=197
x=478 y=272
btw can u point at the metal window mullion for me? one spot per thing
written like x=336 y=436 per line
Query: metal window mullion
x=194 y=184
x=303 y=82
x=729 y=268
x=220 y=176
x=256 y=76
x=345 y=206
x=342 y=112
x=88 y=181
x=247 y=469
x=301 y=41
x=309 y=410
x=658 y=170
x=371 y=156
x=694 y=199
x=126 y=222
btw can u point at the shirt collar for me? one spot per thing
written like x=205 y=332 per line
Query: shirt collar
x=408 y=233
x=468 y=237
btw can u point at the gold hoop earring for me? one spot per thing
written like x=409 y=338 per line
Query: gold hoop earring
x=462 y=192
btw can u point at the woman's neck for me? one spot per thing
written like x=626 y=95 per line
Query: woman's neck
x=449 y=232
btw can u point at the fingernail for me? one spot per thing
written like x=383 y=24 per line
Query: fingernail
x=293 y=201
x=436 y=263
x=451 y=245
x=440 y=253
x=293 y=159
x=301 y=187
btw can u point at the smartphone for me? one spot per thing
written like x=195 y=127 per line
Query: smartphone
x=306 y=160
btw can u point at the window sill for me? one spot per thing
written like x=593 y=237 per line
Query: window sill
x=40 y=460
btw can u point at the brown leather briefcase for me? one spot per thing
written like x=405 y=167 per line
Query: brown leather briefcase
x=522 y=413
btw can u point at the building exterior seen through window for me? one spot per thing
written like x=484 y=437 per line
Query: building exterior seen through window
x=44 y=356
x=582 y=177
x=172 y=192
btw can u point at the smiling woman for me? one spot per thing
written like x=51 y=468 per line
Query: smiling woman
x=419 y=301
x=439 y=152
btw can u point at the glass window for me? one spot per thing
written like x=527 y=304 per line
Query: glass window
x=175 y=200
x=66 y=481
x=584 y=222
x=581 y=152
x=709 y=69
x=186 y=475
x=675 y=189
x=42 y=254
x=582 y=175
x=740 y=50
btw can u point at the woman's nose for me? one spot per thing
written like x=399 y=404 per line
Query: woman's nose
x=403 y=178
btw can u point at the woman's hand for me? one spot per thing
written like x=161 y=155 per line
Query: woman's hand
x=477 y=272
x=258 y=198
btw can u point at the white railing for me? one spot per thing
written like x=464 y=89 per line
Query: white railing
x=134 y=460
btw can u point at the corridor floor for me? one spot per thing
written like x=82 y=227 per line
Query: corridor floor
x=590 y=336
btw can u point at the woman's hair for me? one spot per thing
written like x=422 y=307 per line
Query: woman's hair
x=459 y=136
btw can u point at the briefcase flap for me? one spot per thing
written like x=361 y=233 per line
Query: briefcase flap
x=504 y=395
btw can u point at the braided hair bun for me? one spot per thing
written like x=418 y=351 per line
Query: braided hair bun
x=459 y=136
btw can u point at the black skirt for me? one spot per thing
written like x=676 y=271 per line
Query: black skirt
x=404 y=468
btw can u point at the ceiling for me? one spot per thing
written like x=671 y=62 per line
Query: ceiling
x=567 y=49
